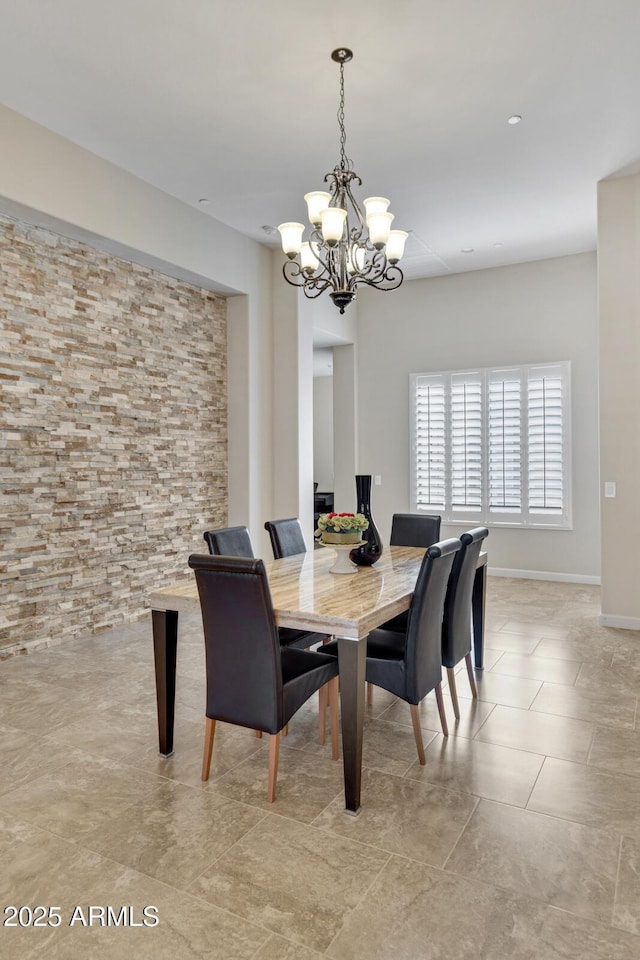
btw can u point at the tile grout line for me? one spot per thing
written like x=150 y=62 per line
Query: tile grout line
x=535 y=782
x=359 y=903
x=459 y=837
x=193 y=880
x=616 y=884
x=518 y=893
x=593 y=737
x=185 y=891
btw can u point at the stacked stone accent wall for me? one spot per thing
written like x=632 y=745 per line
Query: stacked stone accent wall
x=113 y=434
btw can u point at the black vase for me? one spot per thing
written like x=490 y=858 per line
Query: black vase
x=371 y=549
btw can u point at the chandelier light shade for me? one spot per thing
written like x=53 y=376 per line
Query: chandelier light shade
x=346 y=248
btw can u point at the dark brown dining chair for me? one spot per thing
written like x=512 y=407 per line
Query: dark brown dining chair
x=286 y=537
x=287 y=540
x=229 y=542
x=409 y=664
x=414 y=529
x=236 y=542
x=456 y=624
x=410 y=530
x=252 y=680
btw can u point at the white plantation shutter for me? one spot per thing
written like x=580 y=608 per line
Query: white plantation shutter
x=430 y=450
x=465 y=427
x=492 y=445
x=546 y=443
x=504 y=443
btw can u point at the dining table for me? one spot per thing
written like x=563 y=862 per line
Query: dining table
x=307 y=596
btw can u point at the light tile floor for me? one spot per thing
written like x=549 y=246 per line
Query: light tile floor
x=520 y=838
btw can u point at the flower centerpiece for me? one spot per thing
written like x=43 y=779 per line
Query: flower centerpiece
x=341 y=527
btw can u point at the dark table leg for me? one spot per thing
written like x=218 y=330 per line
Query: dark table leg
x=477 y=606
x=165 y=643
x=352 y=658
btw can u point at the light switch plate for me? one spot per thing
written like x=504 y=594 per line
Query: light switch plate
x=377 y=480
x=610 y=489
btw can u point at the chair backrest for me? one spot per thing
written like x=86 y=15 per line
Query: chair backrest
x=244 y=666
x=286 y=536
x=423 y=664
x=229 y=542
x=456 y=624
x=414 y=530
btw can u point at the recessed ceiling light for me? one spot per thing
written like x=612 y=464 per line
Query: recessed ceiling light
x=467 y=250
x=268 y=229
x=498 y=245
x=204 y=202
x=516 y=118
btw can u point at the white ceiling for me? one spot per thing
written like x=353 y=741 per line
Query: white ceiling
x=235 y=100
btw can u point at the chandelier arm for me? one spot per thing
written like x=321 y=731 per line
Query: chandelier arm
x=393 y=277
x=341 y=180
x=294 y=274
x=354 y=279
x=320 y=252
x=374 y=268
x=354 y=204
x=381 y=264
x=314 y=286
x=311 y=296
x=367 y=271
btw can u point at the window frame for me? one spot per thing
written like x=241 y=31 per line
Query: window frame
x=485 y=516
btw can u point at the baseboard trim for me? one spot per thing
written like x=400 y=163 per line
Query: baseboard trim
x=623 y=623
x=543 y=575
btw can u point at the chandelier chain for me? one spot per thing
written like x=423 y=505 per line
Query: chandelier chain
x=343 y=135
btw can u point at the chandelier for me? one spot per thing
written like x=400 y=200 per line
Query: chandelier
x=345 y=249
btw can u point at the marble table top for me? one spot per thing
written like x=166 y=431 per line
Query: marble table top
x=307 y=596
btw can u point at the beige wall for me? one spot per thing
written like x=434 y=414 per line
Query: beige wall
x=59 y=182
x=529 y=313
x=345 y=425
x=113 y=449
x=292 y=411
x=619 y=310
x=323 y=432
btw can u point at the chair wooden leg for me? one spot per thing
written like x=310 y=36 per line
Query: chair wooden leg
x=274 y=753
x=451 y=677
x=417 y=732
x=443 y=716
x=285 y=730
x=259 y=734
x=209 y=733
x=472 y=679
x=369 y=694
x=323 y=702
x=333 y=717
